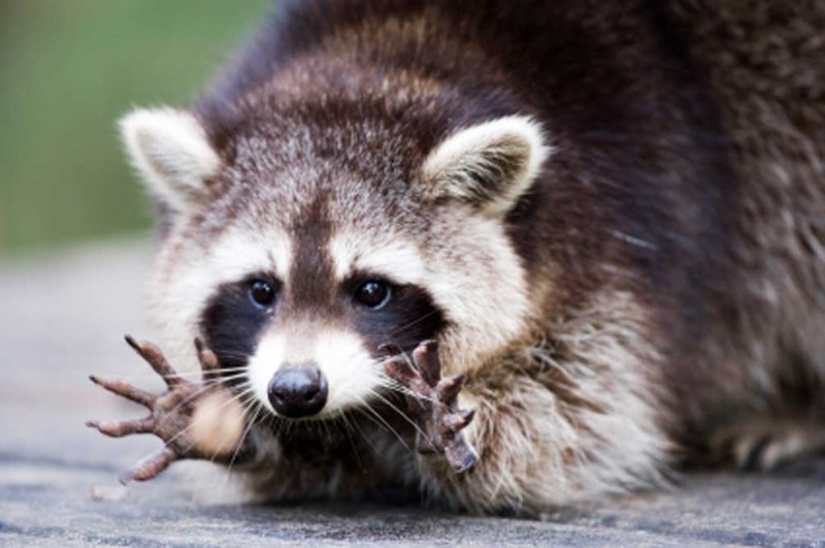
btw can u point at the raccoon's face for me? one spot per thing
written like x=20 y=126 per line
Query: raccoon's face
x=296 y=265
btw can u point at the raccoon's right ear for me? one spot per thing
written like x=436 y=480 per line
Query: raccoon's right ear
x=489 y=165
x=171 y=151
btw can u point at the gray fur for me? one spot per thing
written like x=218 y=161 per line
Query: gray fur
x=652 y=294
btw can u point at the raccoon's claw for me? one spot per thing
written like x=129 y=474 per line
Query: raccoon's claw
x=426 y=358
x=126 y=390
x=157 y=360
x=151 y=467
x=433 y=403
x=170 y=414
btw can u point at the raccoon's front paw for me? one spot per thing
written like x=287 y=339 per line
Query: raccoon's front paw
x=433 y=403
x=184 y=417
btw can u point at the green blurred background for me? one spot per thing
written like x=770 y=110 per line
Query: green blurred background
x=68 y=70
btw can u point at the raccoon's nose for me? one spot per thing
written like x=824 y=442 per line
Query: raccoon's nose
x=298 y=391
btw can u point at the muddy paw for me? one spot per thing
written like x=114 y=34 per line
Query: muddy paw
x=174 y=415
x=433 y=403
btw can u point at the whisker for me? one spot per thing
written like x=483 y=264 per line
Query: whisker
x=325 y=426
x=347 y=429
x=370 y=414
x=395 y=386
x=246 y=432
x=188 y=428
x=412 y=323
x=350 y=426
x=224 y=404
x=137 y=378
x=245 y=407
x=403 y=415
x=365 y=406
x=203 y=388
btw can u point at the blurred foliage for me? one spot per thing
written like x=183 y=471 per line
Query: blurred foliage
x=68 y=70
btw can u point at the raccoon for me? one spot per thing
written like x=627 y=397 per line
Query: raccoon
x=607 y=217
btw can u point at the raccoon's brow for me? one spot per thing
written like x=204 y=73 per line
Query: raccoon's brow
x=395 y=260
x=238 y=255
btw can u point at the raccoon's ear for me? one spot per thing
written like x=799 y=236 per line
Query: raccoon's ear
x=171 y=151
x=489 y=165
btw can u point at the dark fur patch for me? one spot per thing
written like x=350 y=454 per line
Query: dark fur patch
x=408 y=318
x=231 y=323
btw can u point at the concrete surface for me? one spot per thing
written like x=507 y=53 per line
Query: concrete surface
x=62 y=316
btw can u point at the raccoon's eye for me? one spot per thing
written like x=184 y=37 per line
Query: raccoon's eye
x=373 y=294
x=262 y=293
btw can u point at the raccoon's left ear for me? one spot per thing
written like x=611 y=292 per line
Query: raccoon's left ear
x=171 y=151
x=489 y=165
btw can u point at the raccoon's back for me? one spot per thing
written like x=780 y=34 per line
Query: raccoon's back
x=765 y=62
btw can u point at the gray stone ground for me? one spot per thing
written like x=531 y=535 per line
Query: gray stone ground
x=62 y=316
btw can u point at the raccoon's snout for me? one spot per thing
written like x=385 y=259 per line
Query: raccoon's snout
x=298 y=391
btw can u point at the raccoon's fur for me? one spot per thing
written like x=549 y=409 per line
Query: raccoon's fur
x=610 y=215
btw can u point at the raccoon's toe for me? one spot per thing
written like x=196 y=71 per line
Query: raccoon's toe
x=769 y=445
